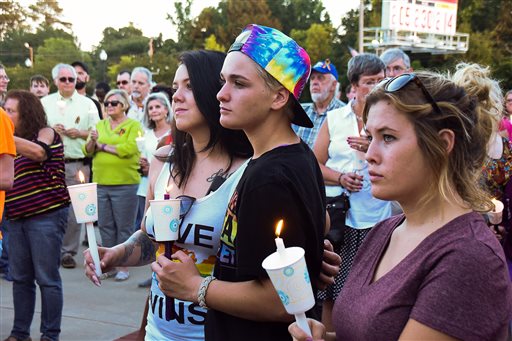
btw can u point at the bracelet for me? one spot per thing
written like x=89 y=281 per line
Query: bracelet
x=339 y=178
x=201 y=294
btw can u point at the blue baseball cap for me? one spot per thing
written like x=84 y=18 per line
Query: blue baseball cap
x=325 y=67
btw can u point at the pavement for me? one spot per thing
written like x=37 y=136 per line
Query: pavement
x=90 y=313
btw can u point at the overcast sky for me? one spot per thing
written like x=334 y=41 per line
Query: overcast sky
x=90 y=17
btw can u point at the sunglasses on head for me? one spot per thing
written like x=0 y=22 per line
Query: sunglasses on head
x=122 y=82
x=68 y=79
x=186 y=203
x=111 y=103
x=399 y=82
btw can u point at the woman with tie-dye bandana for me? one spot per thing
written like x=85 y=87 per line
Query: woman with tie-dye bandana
x=263 y=76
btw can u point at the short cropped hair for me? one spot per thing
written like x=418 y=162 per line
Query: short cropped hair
x=141 y=69
x=364 y=64
x=39 y=79
x=390 y=55
x=56 y=69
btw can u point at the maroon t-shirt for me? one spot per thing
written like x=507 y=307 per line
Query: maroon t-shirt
x=455 y=281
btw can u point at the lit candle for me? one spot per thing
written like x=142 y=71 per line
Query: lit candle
x=288 y=272
x=279 y=241
x=167 y=196
x=81 y=177
x=141 y=142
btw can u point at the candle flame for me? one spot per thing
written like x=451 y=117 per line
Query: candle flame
x=140 y=135
x=81 y=177
x=279 y=226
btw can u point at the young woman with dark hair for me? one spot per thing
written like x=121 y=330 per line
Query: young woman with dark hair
x=202 y=151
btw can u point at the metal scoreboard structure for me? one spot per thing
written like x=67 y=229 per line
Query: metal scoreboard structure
x=418 y=26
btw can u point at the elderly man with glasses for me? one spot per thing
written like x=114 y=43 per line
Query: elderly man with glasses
x=72 y=115
x=397 y=62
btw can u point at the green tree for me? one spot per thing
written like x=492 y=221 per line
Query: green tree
x=12 y=47
x=239 y=14
x=183 y=22
x=210 y=43
x=317 y=40
x=47 y=13
x=298 y=14
x=12 y=17
x=125 y=41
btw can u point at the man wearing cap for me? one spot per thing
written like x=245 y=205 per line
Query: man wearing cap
x=72 y=116
x=397 y=62
x=82 y=77
x=322 y=86
x=263 y=74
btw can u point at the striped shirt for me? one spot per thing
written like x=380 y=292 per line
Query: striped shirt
x=39 y=187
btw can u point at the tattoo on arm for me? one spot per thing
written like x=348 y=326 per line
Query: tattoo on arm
x=147 y=248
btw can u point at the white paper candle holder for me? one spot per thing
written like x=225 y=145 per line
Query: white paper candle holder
x=166 y=217
x=85 y=202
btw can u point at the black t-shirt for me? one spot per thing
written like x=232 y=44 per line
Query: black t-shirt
x=284 y=183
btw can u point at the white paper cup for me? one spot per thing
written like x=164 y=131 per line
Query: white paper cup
x=290 y=278
x=84 y=200
x=166 y=217
x=496 y=216
x=141 y=144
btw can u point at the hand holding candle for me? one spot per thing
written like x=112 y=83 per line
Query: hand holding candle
x=289 y=274
x=84 y=200
x=166 y=216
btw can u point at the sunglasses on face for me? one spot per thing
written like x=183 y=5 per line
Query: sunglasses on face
x=111 y=103
x=122 y=82
x=68 y=79
x=399 y=82
x=186 y=203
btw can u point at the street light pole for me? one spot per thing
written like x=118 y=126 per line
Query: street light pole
x=103 y=57
x=30 y=61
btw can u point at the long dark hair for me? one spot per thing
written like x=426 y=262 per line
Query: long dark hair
x=204 y=73
x=31 y=114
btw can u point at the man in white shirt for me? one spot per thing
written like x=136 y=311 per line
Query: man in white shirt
x=72 y=116
x=140 y=85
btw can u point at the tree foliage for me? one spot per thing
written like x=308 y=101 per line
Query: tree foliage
x=47 y=13
x=489 y=23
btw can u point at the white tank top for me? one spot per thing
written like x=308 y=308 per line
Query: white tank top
x=200 y=236
x=365 y=210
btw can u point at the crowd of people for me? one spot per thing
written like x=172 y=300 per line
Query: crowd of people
x=387 y=193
